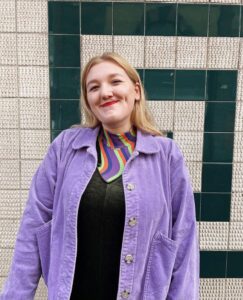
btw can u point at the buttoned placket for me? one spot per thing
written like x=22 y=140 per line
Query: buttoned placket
x=129 y=246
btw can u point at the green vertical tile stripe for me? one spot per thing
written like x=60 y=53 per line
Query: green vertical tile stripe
x=64 y=113
x=159 y=84
x=63 y=17
x=65 y=83
x=215 y=207
x=218 y=147
x=219 y=117
x=216 y=178
x=64 y=50
x=235 y=264
x=128 y=18
x=160 y=19
x=213 y=264
x=192 y=20
x=96 y=18
x=224 y=20
x=190 y=85
x=197 y=199
x=221 y=85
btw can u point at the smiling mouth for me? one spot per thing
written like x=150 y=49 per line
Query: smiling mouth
x=109 y=103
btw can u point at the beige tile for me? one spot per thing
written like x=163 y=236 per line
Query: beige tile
x=214 y=235
x=9 y=144
x=9 y=113
x=8 y=49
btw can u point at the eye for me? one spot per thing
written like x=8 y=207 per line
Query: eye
x=93 y=88
x=116 y=81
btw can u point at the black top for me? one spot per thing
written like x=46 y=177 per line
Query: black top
x=100 y=230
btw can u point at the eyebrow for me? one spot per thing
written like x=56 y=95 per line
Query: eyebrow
x=110 y=76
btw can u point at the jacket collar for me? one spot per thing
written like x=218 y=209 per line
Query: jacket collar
x=145 y=143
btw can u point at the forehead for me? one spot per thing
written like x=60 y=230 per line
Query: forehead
x=104 y=69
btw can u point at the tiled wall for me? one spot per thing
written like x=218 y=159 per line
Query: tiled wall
x=190 y=57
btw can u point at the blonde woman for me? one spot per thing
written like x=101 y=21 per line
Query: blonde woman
x=110 y=213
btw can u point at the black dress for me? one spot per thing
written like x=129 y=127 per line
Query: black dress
x=100 y=230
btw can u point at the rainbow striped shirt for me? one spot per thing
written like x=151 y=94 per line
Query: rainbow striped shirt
x=115 y=150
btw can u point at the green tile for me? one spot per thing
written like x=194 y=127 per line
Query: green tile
x=192 y=20
x=218 y=147
x=190 y=85
x=197 y=198
x=63 y=17
x=159 y=84
x=128 y=18
x=141 y=74
x=160 y=19
x=64 y=50
x=224 y=20
x=54 y=134
x=215 y=207
x=212 y=264
x=96 y=18
x=221 y=85
x=64 y=114
x=219 y=117
x=216 y=178
x=65 y=83
x=235 y=264
x=169 y=134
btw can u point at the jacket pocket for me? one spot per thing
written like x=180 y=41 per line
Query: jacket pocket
x=160 y=267
x=44 y=245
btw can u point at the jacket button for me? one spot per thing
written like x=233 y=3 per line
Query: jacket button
x=130 y=186
x=132 y=221
x=125 y=294
x=128 y=258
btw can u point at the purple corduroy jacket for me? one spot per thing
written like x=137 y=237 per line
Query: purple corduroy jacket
x=159 y=255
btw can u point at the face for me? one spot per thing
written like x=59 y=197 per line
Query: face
x=111 y=96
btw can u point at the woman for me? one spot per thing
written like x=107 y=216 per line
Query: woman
x=110 y=213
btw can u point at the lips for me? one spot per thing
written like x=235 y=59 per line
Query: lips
x=108 y=103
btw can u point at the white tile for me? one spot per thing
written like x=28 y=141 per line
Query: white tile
x=189 y=115
x=236 y=213
x=7 y=16
x=2 y=281
x=8 y=81
x=226 y=1
x=195 y=172
x=241 y=54
x=24 y=197
x=162 y=111
x=32 y=49
x=5 y=261
x=191 y=52
x=34 y=113
x=160 y=51
x=34 y=143
x=191 y=144
x=10 y=204
x=34 y=82
x=239 y=117
x=41 y=292
x=212 y=288
x=131 y=48
x=8 y=233
x=9 y=143
x=235 y=236
x=234 y=288
x=8 y=49
x=94 y=45
x=214 y=235
x=9 y=174
x=32 y=16
x=28 y=169
x=238 y=149
x=239 y=95
x=223 y=53
x=9 y=113
x=237 y=177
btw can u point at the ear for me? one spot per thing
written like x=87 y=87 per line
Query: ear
x=137 y=91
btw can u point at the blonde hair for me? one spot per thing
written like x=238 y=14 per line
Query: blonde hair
x=141 y=118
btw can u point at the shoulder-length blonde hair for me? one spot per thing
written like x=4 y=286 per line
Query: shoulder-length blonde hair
x=140 y=117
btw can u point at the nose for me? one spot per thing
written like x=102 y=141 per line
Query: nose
x=106 y=91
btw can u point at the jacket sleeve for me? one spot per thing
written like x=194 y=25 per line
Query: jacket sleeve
x=185 y=277
x=25 y=270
